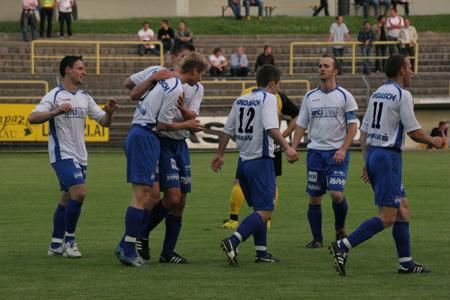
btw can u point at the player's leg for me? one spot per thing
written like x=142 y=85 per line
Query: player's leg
x=277 y=163
x=236 y=201
x=56 y=246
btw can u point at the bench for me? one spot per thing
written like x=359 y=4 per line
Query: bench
x=268 y=9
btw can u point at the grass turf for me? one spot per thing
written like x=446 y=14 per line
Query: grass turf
x=28 y=197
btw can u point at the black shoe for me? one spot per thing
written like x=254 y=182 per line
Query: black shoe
x=340 y=258
x=174 y=259
x=416 y=269
x=314 y=244
x=230 y=252
x=268 y=258
x=143 y=249
x=340 y=235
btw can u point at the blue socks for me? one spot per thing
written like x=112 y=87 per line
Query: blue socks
x=173 y=228
x=340 y=213
x=248 y=226
x=134 y=218
x=260 y=238
x=364 y=232
x=73 y=210
x=59 y=226
x=315 y=221
x=157 y=214
x=400 y=232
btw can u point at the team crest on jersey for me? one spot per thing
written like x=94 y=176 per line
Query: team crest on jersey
x=312 y=176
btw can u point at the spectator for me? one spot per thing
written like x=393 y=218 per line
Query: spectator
x=46 y=12
x=405 y=4
x=338 y=34
x=366 y=36
x=380 y=35
x=146 y=34
x=259 y=3
x=183 y=34
x=218 y=63
x=239 y=63
x=265 y=58
x=65 y=16
x=28 y=18
x=166 y=35
x=387 y=5
x=235 y=6
x=394 y=24
x=408 y=39
x=442 y=132
x=324 y=6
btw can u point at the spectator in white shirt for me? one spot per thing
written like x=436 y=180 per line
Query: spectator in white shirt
x=218 y=63
x=65 y=16
x=408 y=39
x=393 y=25
x=28 y=18
x=146 y=34
x=339 y=33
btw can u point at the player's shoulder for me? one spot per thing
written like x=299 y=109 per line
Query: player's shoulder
x=193 y=89
x=311 y=92
x=170 y=85
x=344 y=92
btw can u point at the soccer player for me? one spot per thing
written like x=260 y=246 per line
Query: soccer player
x=389 y=115
x=253 y=121
x=65 y=108
x=174 y=148
x=329 y=114
x=285 y=107
x=154 y=112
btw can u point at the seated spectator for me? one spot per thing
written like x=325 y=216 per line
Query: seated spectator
x=442 y=132
x=218 y=63
x=65 y=16
x=324 y=6
x=28 y=18
x=366 y=36
x=235 y=6
x=239 y=63
x=146 y=34
x=183 y=34
x=408 y=40
x=405 y=4
x=166 y=35
x=265 y=58
x=259 y=3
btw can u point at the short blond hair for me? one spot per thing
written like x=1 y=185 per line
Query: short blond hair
x=193 y=61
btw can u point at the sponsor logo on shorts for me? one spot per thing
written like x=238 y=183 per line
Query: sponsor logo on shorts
x=173 y=165
x=397 y=200
x=313 y=187
x=337 y=181
x=186 y=180
x=78 y=174
x=339 y=173
x=172 y=177
x=312 y=176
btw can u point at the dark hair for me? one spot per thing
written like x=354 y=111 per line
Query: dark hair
x=217 y=50
x=365 y=22
x=380 y=17
x=68 y=61
x=442 y=123
x=266 y=47
x=337 y=65
x=146 y=22
x=165 y=21
x=267 y=73
x=393 y=65
x=178 y=48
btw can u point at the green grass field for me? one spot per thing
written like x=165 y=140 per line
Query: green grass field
x=29 y=194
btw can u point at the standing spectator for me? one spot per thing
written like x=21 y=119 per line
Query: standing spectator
x=408 y=39
x=218 y=62
x=183 y=34
x=46 y=8
x=166 y=35
x=146 y=34
x=387 y=5
x=259 y=3
x=239 y=63
x=339 y=33
x=65 y=16
x=324 y=6
x=28 y=18
x=393 y=24
x=366 y=36
x=405 y=4
x=235 y=6
x=380 y=35
x=442 y=132
x=265 y=58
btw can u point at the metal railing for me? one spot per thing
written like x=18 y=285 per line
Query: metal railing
x=98 y=56
x=353 y=57
x=27 y=82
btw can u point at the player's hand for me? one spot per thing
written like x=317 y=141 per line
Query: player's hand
x=437 y=142
x=339 y=156
x=111 y=106
x=217 y=163
x=194 y=125
x=64 y=108
x=164 y=74
x=364 y=175
x=291 y=154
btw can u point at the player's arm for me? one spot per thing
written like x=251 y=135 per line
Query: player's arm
x=298 y=135
x=291 y=127
x=301 y=123
x=339 y=155
x=290 y=109
x=291 y=153
x=139 y=90
x=362 y=141
x=39 y=117
x=420 y=136
x=110 y=108
x=217 y=161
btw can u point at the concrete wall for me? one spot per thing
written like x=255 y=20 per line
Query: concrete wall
x=115 y=9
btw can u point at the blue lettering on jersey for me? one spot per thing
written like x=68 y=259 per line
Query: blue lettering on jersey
x=76 y=112
x=377 y=136
x=386 y=96
x=245 y=102
x=244 y=137
x=164 y=85
x=324 y=112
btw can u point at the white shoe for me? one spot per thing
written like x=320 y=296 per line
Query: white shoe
x=71 y=250
x=55 y=251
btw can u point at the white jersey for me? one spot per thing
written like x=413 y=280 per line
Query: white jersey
x=251 y=116
x=326 y=115
x=193 y=96
x=389 y=115
x=66 y=138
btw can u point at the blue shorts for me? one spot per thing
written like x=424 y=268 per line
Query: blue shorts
x=324 y=173
x=384 y=167
x=69 y=173
x=142 y=152
x=174 y=165
x=258 y=183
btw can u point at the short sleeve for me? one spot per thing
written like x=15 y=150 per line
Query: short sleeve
x=196 y=100
x=350 y=109
x=94 y=111
x=139 y=77
x=270 y=112
x=46 y=104
x=407 y=116
x=303 y=115
x=168 y=109
x=230 y=124
x=365 y=123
